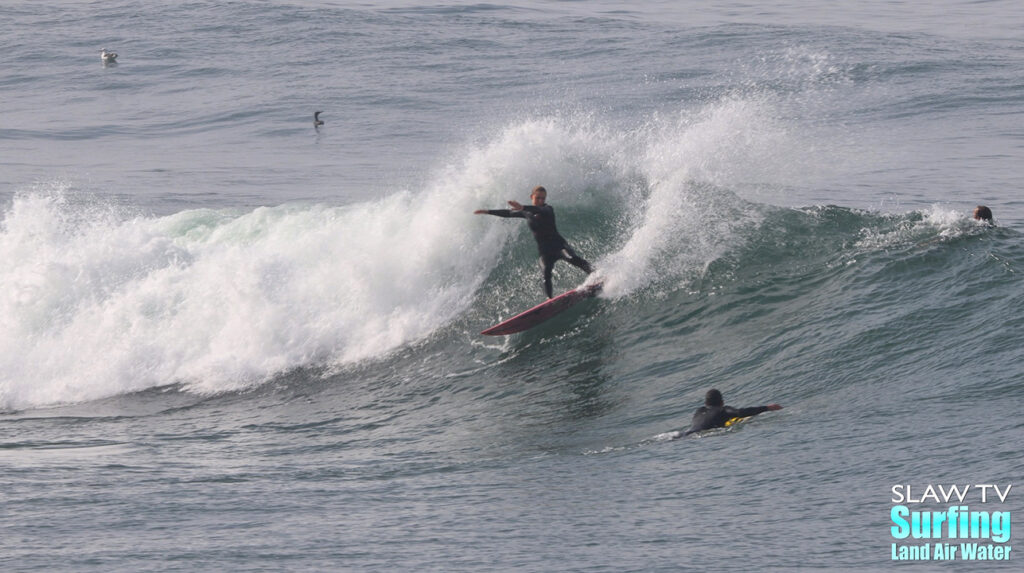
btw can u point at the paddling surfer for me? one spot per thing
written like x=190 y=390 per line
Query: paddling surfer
x=541 y=218
x=715 y=414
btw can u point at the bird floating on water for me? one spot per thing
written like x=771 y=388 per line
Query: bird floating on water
x=108 y=57
x=316 y=119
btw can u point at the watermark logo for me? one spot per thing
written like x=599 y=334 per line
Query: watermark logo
x=974 y=526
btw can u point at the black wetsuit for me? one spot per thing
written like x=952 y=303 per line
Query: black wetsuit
x=552 y=246
x=708 y=417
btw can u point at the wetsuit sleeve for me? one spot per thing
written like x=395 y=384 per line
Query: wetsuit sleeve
x=744 y=412
x=506 y=213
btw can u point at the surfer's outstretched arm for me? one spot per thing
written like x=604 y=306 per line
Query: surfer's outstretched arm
x=517 y=210
x=753 y=410
x=501 y=212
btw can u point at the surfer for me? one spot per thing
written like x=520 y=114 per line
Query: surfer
x=541 y=218
x=317 y=122
x=983 y=213
x=715 y=414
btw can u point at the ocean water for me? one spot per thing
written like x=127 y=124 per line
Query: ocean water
x=231 y=341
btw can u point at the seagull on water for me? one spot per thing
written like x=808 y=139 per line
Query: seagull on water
x=316 y=119
x=108 y=57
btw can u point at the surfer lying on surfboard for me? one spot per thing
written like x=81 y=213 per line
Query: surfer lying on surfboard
x=715 y=414
x=541 y=218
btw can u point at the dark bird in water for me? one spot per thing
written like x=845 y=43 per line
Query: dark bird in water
x=108 y=57
x=316 y=119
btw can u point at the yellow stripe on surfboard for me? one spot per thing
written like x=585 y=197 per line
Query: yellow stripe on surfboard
x=737 y=420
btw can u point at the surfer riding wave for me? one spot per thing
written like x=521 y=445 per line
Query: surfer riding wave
x=541 y=218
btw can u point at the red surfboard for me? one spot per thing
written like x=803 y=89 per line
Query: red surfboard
x=543 y=311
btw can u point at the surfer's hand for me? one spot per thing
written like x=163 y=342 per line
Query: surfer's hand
x=516 y=205
x=480 y=212
x=774 y=407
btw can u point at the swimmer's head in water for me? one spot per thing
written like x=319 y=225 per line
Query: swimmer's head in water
x=983 y=213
